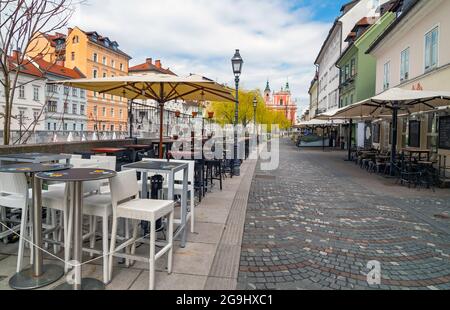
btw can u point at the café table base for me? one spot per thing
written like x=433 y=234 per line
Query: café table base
x=25 y=280
x=87 y=284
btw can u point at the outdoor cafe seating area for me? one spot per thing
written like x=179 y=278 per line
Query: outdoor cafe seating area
x=122 y=197
x=413 y=167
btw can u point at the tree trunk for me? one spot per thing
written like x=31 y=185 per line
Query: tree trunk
x=8 y=110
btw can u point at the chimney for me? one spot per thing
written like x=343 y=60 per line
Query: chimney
x=16 y=54
x=69 y=31
x=158 y=64
x=149 y=61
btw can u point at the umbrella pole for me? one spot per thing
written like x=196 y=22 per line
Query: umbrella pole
x=161 y=129
x=323 y=139
x=394 y=136
x=349 y=139
x=131 y=119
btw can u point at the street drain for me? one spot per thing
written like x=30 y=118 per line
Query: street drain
x=442 y=216
x=265 y=177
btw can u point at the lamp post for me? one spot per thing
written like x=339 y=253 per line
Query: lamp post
x=255 y=105
x=237 y=63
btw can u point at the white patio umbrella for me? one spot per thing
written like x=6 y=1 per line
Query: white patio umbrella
x=94 y=137
x=393 y=103
x=159 y=87
x=83 y=138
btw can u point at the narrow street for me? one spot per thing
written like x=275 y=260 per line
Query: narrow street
x=317 y=221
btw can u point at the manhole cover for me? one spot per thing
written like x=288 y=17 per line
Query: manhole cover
x=442 y=216
x=265 y=177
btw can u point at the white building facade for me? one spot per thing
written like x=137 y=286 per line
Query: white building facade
x=334 y=45
x=414 y=54
x=28 y=104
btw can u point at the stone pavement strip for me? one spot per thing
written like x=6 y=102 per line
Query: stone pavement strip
x=317 y=221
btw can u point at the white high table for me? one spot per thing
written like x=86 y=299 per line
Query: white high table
x=170 y=169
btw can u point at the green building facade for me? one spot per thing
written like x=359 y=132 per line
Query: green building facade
x=358 y=69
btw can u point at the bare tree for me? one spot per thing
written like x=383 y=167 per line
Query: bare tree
x=22 y=23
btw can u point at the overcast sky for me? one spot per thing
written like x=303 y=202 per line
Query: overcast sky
x=278 y=39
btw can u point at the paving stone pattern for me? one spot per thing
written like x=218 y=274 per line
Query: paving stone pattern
x=311 y=226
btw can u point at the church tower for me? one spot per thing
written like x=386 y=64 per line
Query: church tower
x=267 y=93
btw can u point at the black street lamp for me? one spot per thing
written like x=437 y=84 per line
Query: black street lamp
x=255 y=105
x=237 y=63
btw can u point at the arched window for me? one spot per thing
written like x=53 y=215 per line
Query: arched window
x=75 y=39
x=281 y=101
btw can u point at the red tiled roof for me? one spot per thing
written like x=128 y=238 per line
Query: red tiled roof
x=365 y=21
x=148 y=66
x=59 y=70
x=350 y=36
x=53 y=37
x=26 y=67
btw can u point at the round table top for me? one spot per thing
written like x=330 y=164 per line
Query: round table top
x=76 y=175
x=33 y=168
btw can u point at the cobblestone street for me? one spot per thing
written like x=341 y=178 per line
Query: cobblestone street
x=317 y=221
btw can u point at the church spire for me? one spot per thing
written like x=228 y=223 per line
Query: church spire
x=267 y=90
x=287 y=87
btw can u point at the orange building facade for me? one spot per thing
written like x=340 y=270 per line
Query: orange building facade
x=281 y=101
x=95 y=56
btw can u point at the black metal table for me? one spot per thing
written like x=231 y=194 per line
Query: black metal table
x=39 y=275
x=75 y=178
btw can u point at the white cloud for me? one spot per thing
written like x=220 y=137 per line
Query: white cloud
x=200 y=36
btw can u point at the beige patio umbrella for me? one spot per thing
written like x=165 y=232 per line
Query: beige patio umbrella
x=405 y=102
x=159 y=87
x=393 y=103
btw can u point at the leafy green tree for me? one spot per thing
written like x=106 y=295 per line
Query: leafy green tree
x=224 y=111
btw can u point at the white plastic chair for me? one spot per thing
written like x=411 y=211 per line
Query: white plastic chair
x=127 y=205
x=14 y=195
x=105 y=162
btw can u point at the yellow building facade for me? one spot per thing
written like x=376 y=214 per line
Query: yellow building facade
x=95 y=56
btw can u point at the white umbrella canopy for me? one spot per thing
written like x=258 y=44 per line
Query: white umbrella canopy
x=159 y=87
x=407 y=102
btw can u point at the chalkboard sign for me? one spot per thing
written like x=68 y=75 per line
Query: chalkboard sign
x=444 y=132
x=414 y=134
x=376 y=133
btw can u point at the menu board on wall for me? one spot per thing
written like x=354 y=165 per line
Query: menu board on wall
x=444 y=132
x=376 y=133
x=414 y=134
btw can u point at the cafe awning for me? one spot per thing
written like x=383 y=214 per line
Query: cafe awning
x=405 y=101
